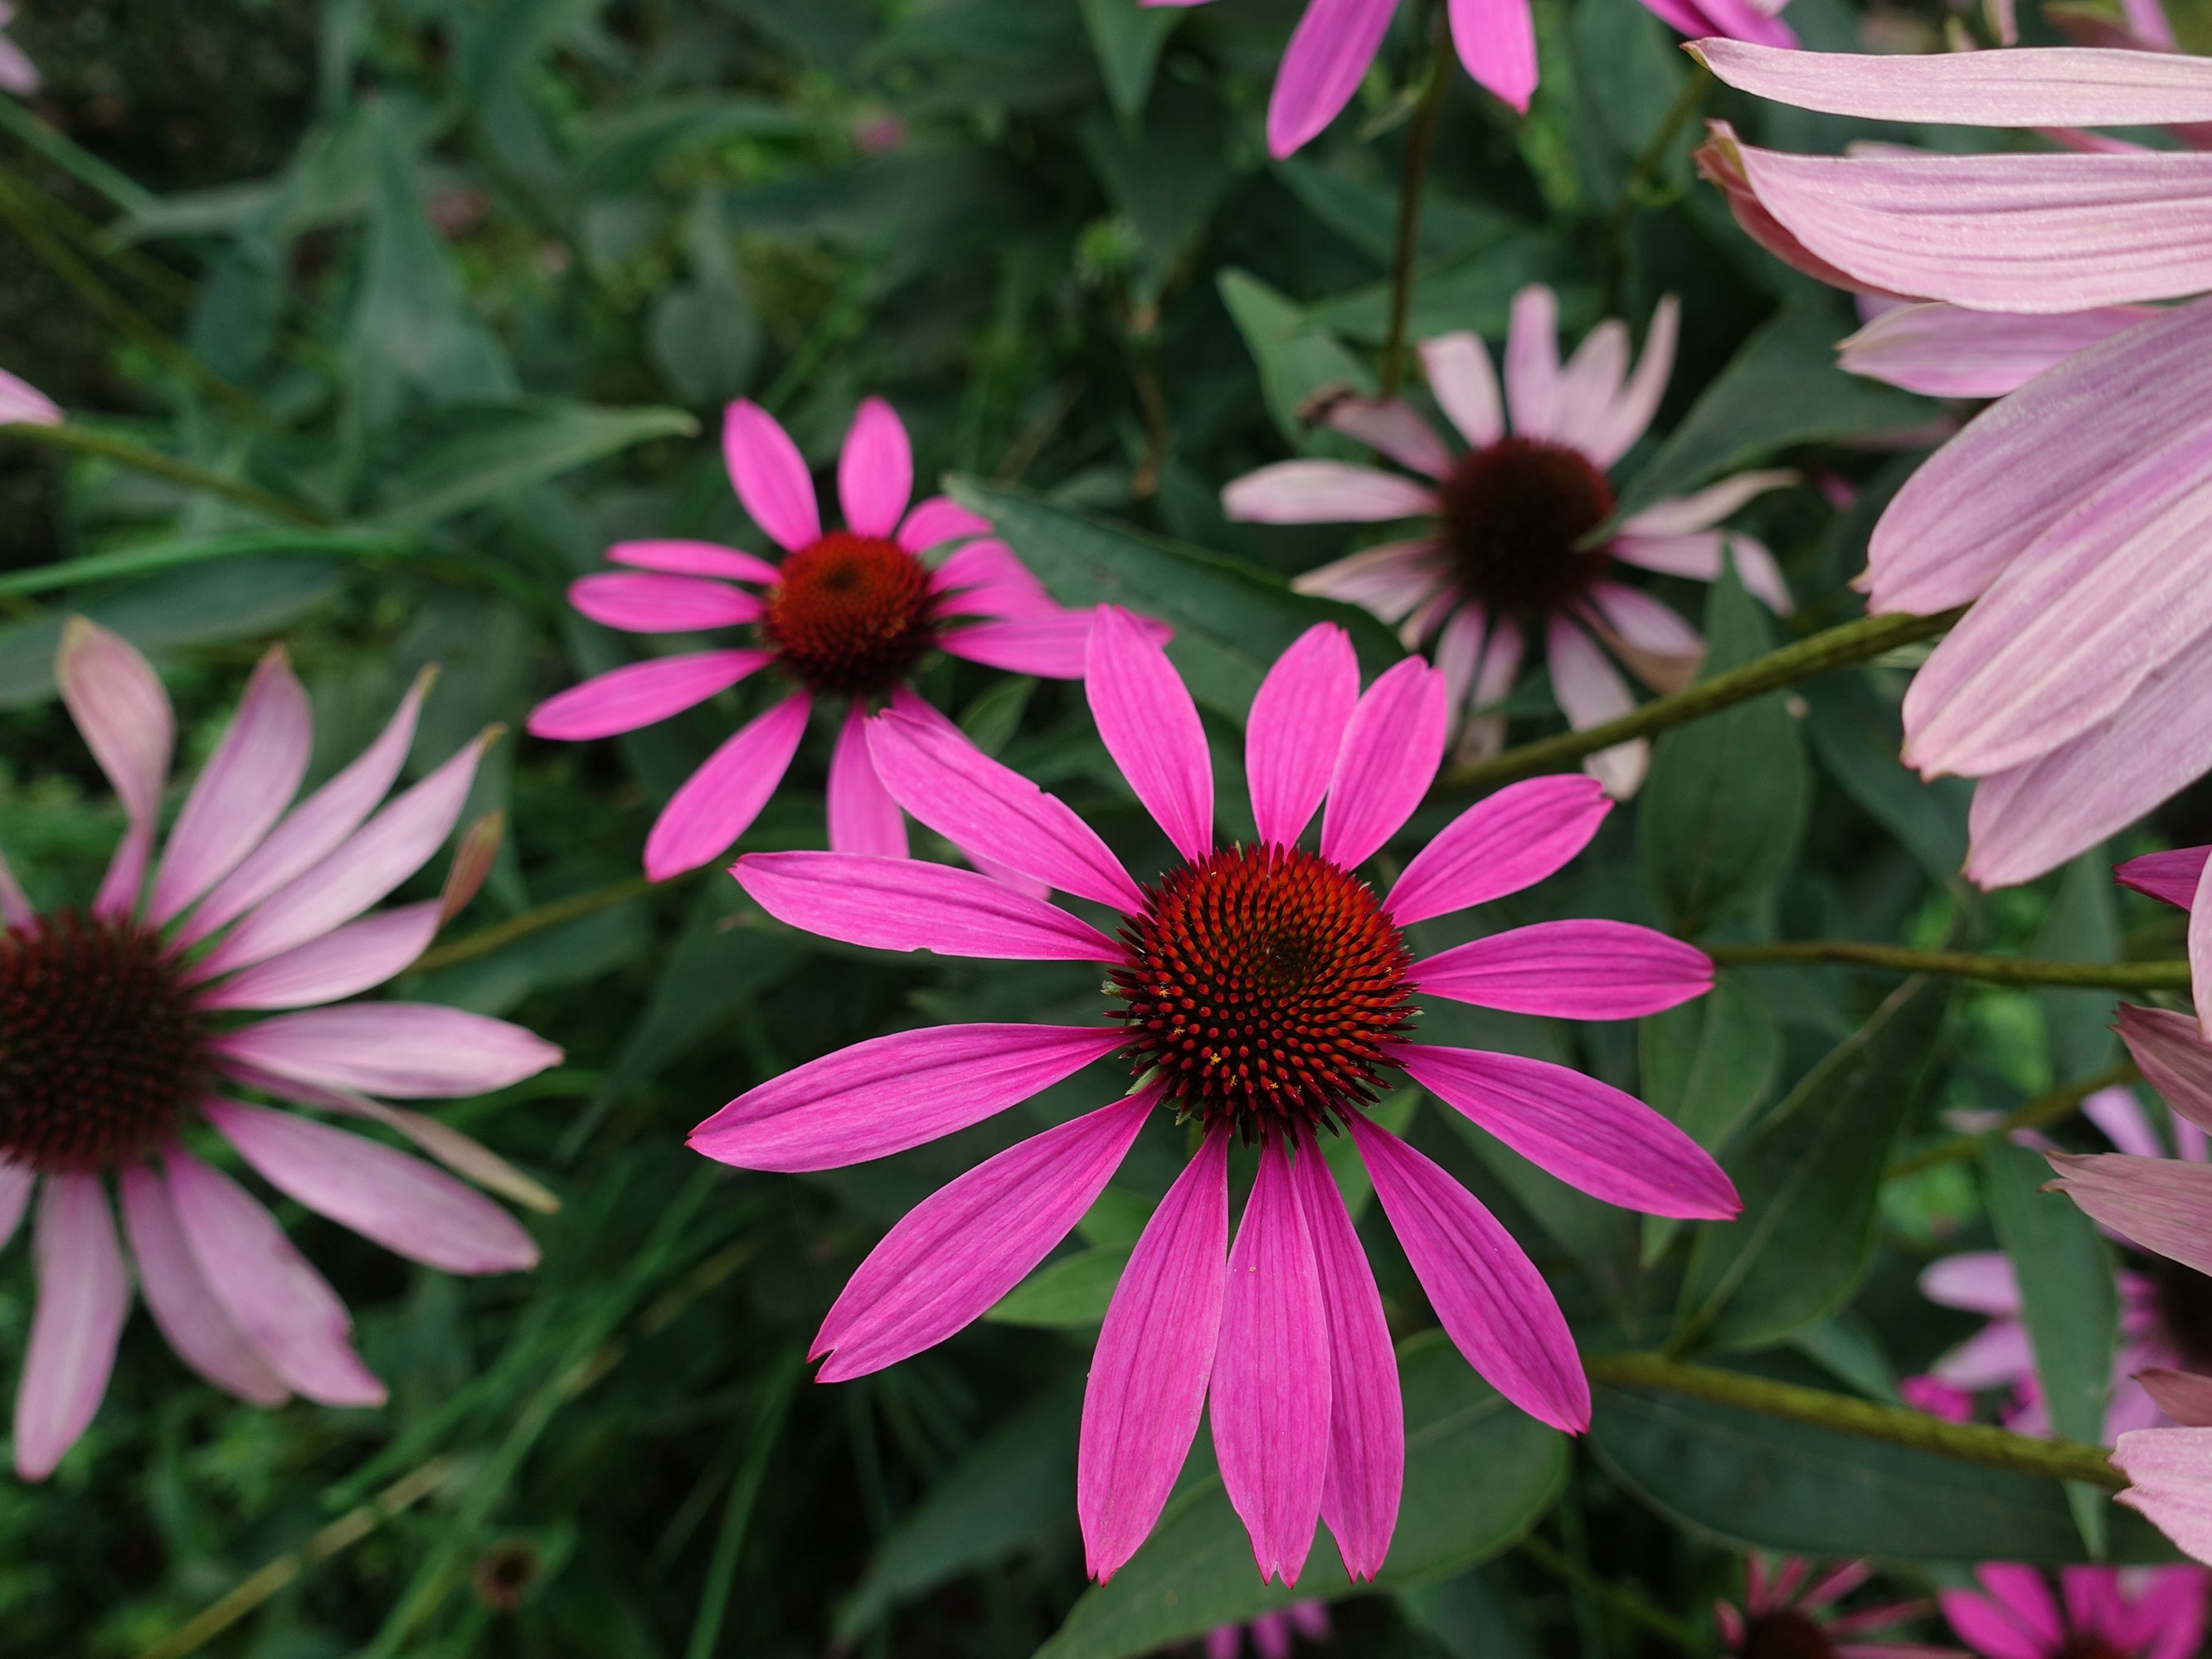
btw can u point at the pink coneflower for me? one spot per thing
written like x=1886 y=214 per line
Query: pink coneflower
x=2107 y=1612
x=1272 y=1634
x=1336 y=40
x=1265 y=993
x=123 y=1026
x=2177 y=877
x=848 y=614
x=1508 y=559
x=1784 y=1616
x=22 y=404
x=2072 y=513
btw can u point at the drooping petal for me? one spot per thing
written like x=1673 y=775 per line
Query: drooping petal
x=1321 y=68
x=641 y=604
x=985 y=808
x=938 y=521
x=2170 y=1472
x=1686 y=514
x=1390 y=580
x=1512 y=840
x=1392 y=747
x=2161 y=1205
x=863 y=817
x=1459 y=654
x=117 y=701
x=343 y=962
x=960 y=1249
x=770 y=475
x=284 y=1308
x=198 y=1326
x=408 y=1051
x=1271 y=1375
x=1466 y=386
x=1591 y=692
x=84 y=1296
x=1150 y=725
x=889 y=1093
x=1977 y=1282
x=1948 y=351
x=875 y=470
x=1296 y=730
x=719 y=802
x=1154 y=1357
x=641 y=693
x=1390 y=427
x=1647 y=633
x=241 y=791
x=904 y=904
x=1325 y=492
x=1588 y=1133
x=1532 y=361
x=2170 y=876
x=1489 y=1297
x=679 y=558
x=1583 y=968
x=1496 y=44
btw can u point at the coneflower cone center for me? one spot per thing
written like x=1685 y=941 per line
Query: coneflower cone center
x=100 y=1049
x=1261 y=987
x=1514 y=513
x=1786 y=1633
x=851 y=614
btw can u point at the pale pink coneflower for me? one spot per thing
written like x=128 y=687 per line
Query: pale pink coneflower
x=1508 y=561
x=123 y=1026
x=1262 y=991
x=847 y=614
x=1788 y=1613
x=2071 y=515
x=2101 y=1613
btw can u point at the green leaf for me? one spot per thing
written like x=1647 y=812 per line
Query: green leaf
x=1230 y=622
x=1476 y=295
x=1479 y=1472
x=1070 y=1292
x=1127 y=39
x=1762 y=1482
x=1166 y=178
x=1296 y=356
x=1720 y=818
x=1809 y=1174
x=450 y=460
x=1856 y=738
x=703 y=333
x=144 y=558
x=1707 y=1066
x=2083 y=925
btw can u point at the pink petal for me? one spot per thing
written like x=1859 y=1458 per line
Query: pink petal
x=1590 y=382
x=20 y=403
x=84 y=1296
x=1151 y=726
x=2171 y=1470
x=1459 y=654
x=1532 y=359
x=1271 y=1374
x=1996 y=1356
x=1325 y=492
x=2022 y=1595
x=624 y=699
x=1459 y=372
x=283 y=1307
x=15 y=911
x=1591 y=692
x=1588 y=1133
x=1760 y=575
x=1649 y=633
x=408 y=1051
x=1389 y=757
x=904 y=904
x=986 y=579
x=938 y=521
x=889 y=1093
x=770 y=475
x=863 y=817
x=1295 y=729
x=1050 y=646
x=960 y=1249
x=1496 y=42
x=1982 y=1623
x=2119 y=1117
x=118 y=705
x=1607 y=440
x=1512 y=840
x=875 y=470
x=1577 y=969
x=1155 y=1354
x=678 y=558
x=2167 y=1620
x=662 y=605
x=241 y=791
x=719 y=802
x=1367 y=1420
x=17 y=1183
x=990 y=810
x=2200 y=953
x=198 y=1326
x=1945 y=351
x=342 y=964
x=1977 y=1281
x=2159 y=1205
x=2170 y=876
x=1686 y=514
x=1390 y=580
x=1322 y=66
x=1490 y=1299
x=1390 y=426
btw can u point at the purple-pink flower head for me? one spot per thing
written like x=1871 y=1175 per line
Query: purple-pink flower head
x=1264 y=994
x=2102 y=1613
x=1505 y=559
x=125 y=1025
x=1789 y=1614
x=848 y=615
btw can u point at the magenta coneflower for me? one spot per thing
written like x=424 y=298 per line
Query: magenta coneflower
x=1265 y=993
x=1272 y=1634
x=1783 y=1616
x=2107 y=1612
x=124 y=1025
x=1508 y=560
x=848 y=614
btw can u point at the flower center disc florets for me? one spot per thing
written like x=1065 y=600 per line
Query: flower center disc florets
x=1785 y=1634
x=1262 y=984
x=100 y=1050
x=851 y=613
x=1514 y=512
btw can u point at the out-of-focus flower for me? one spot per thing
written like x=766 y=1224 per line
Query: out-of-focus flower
x=2144 y=1612
x=2072 y=514
x=18 y=74
x=24 y=405
x=1789 y=1614
x=878 y=132
x=848 y=614
x=1264 y=992
x=122 y=1024
x=1272 y=1633
x=1507 y=560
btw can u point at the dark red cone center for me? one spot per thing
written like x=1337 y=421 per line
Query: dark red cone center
x=1261 y=987
x=100 y=1050
x=1785 y=1633
x=1513 y=516
x=851 y=614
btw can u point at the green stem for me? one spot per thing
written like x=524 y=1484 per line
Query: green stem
x=1653 y=155
x=79 y=163
x=1629 y=1603
x=530 y=921
x=2045 y=1110
x=1894 y=1425
x=1420 y=142
x=737 y=1516
x=123 y=453
x=1963 y=964
x=1842 y=646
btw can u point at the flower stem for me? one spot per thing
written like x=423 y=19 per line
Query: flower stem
x=1842 y=646
x=1420 y=142
x=1963 y=964
x=123 y=453
x=2046 y=1107
x=1894 y=1425
x=530 y=921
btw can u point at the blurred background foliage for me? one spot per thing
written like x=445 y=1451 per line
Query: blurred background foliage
x=446 y=295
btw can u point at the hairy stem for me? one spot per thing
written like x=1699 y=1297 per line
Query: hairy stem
x=1420 y=142
x=1963 y=964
